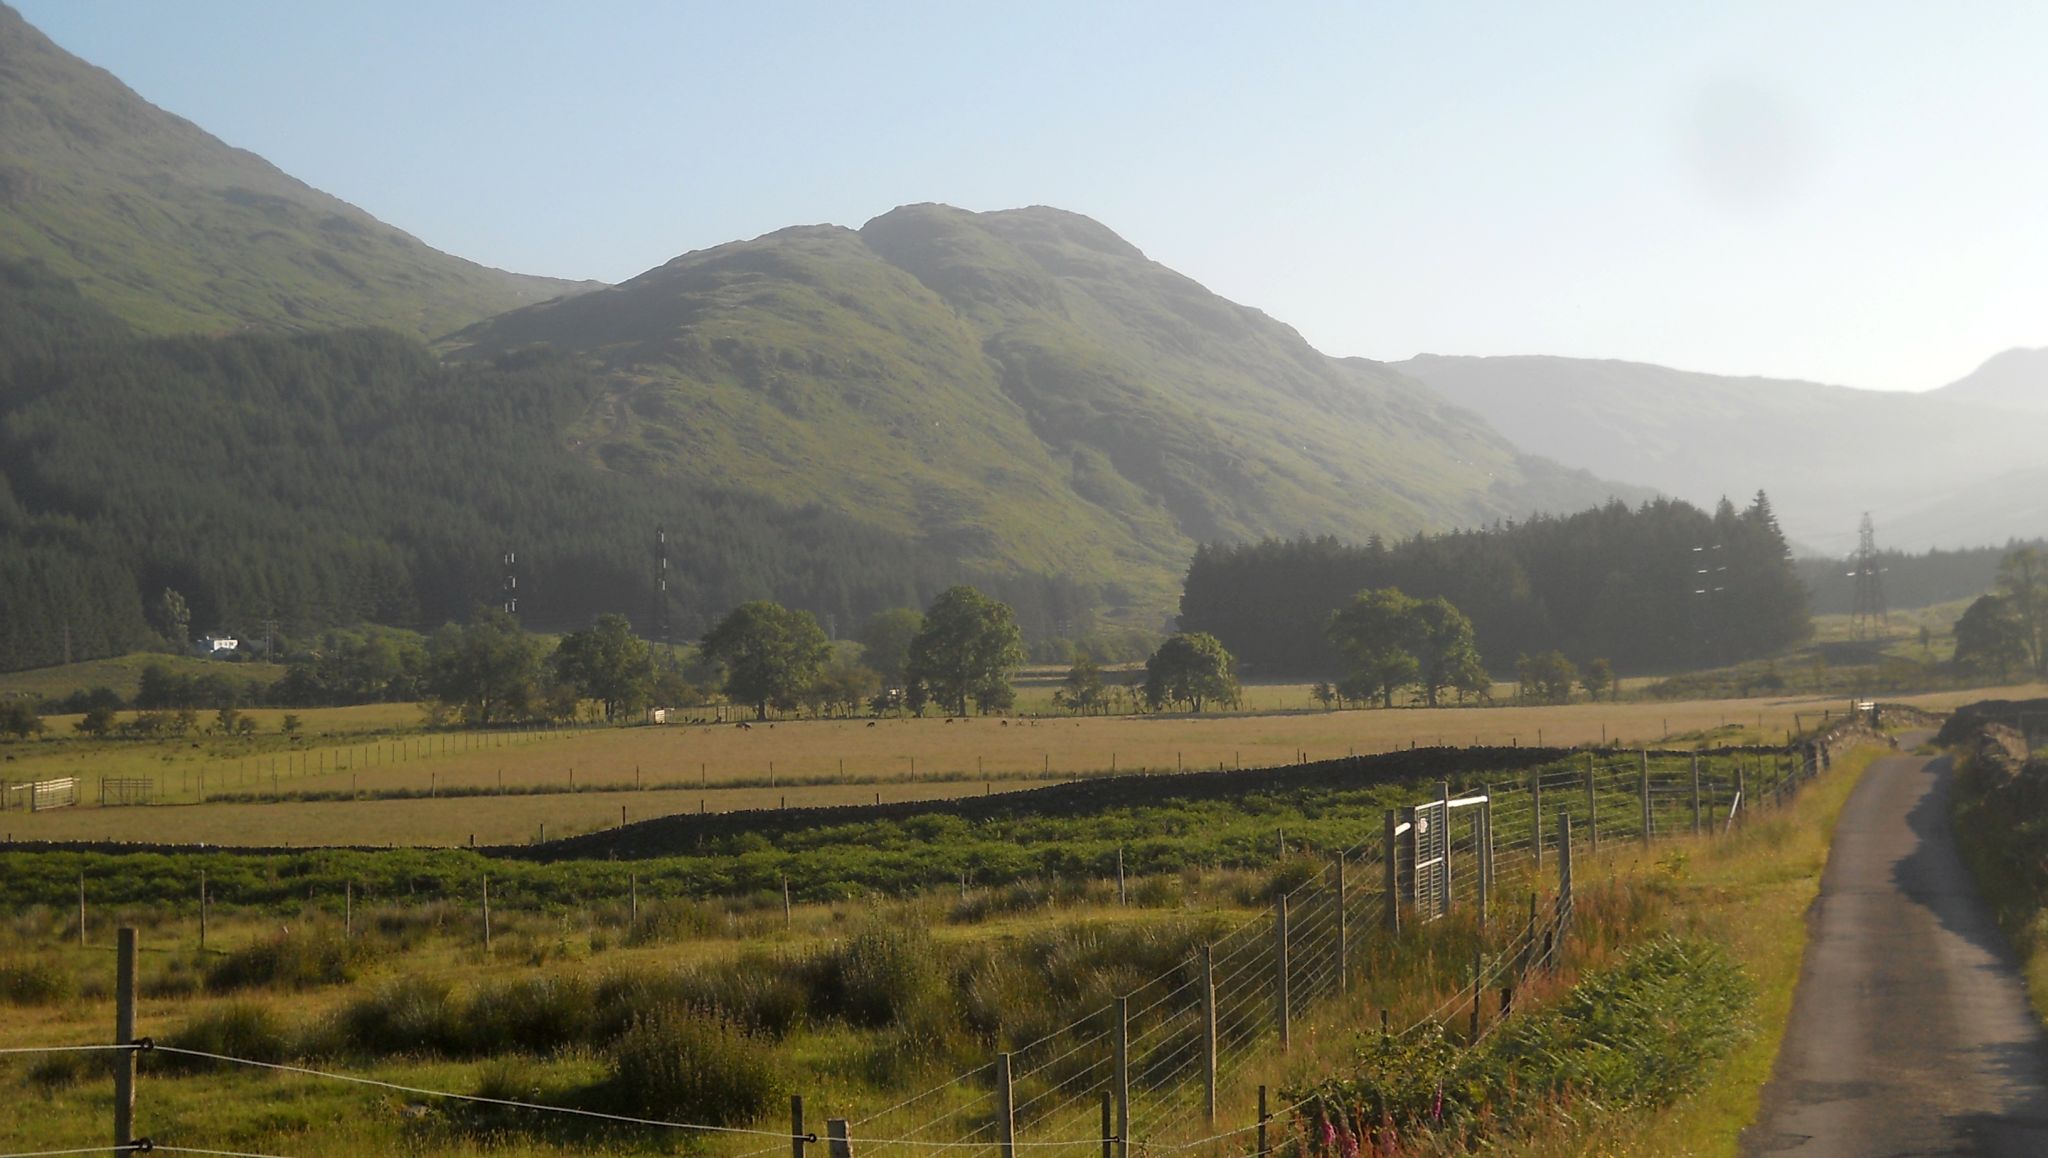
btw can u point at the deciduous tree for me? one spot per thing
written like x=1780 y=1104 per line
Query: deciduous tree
x=1190 y=669
x=1376 y=633
x=966 y=650
x=606 y=663
x=770 y=653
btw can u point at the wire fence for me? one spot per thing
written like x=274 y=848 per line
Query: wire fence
x=1187 y=1059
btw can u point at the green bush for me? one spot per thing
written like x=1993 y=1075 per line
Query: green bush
x=532 y=1015
x=33 y=981
x=407 y=1015
x=680 y=1065
x=301 y=960
x=1638 y=1034
x=882 y=975
x=242 y=1029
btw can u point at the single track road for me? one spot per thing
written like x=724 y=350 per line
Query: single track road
x=1910 y=1031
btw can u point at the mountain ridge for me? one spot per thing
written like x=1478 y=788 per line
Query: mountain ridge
x=1132 y=411
x=177 y=231
x=1918 y=462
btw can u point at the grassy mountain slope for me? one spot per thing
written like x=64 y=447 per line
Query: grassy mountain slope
x=2014 y=379
x=1927 y=468
x=1021 y=388
x=175 y=231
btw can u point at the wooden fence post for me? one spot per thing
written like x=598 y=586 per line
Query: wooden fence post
x=1120 y=1076
x=1695 y=793
x=1649 y=821
x=1390 y=873
x=1264 y=1117
x=1536 y=816
x=1208 y=1035
x=836 y=1143
x=1443 y=792
x=124 y=1036
x=1122 y=898
x=1280 y=971
x=1592 y=806
x=1343 y=933
x=1108 y=1126
x=797 y=1137
x=1481 y=822
x=1006 y=1108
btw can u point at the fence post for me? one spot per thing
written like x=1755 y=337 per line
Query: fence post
x=1734 y=809
x=1592 y=806
x=1120 y=1078
x=836 y=1143
x=1390 y=875
x=124 y=1035
x=1280 y=970
x=1482 y=844
x=786 y=915
x=1208 y=1038
x=797 y=1138
x=1343 y=933
x=1695 y=793
x=1536 y=816
x=1122 y=898
x=1006 y=1108
x=1108 y=1127
x=1564 y=868
x=1478 y=978
x=1649 y=821
x=1443 y=792
x=1264 y=1117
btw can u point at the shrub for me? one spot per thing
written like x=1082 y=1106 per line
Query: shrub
x=33 y=981
x=683 y=1066
x=408 y=1015
x=242 y=1029
x=290 y=961
x=534 y=1014
x=880 y=976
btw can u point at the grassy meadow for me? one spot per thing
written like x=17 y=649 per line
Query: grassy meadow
x=860 y=1003
x=321 y=785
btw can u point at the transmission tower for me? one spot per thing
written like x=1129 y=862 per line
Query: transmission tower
x=1870 y=614
x=512 y=583
x=660 y=623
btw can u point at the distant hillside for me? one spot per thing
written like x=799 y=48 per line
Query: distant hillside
x=1021 y=389
x=1932 y=471
x=175 y=231
x=2015 y=379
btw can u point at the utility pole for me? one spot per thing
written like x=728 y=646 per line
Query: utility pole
x=1870 y=616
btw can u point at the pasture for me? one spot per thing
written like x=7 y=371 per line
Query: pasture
x=857 y=1003
x=507 y=785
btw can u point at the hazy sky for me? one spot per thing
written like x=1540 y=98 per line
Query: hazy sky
x=1856 y=193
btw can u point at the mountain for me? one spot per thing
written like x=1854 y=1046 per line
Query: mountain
x=1932 y=471
x=1023 y=388
x=175 y=231
x=2015 y=380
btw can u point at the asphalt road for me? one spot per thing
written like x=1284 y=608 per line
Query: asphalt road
x=1910 y=1030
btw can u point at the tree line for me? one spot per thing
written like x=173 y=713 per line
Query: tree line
x=1663 y=585
x=2004 y=632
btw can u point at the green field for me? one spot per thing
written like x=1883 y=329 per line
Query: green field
x=856 y=1003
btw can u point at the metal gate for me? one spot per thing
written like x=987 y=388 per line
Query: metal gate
x=1429 y=828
